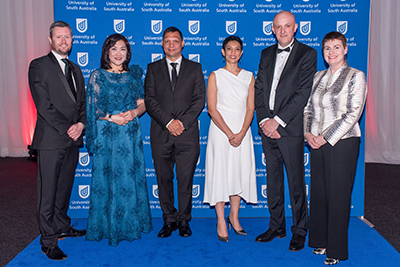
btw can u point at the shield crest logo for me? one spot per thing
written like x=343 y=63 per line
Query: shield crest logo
x=84 y=158
x=81 y=25
x=119 y=25
x=341 y=26
x=84 y=191
x=231 y=27
x=156 y=26
x=156 y=57
x=194 y=26
x=305 y=27
x=196 y=191
x=306 y=158
x=263 y=160
x=267 y=27
x=194 y=57
x=83 y=58
x=264 y=190
x=155 y=190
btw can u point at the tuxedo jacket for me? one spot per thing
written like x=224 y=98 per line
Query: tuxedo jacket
x=56 y=106
x=184 y=103
x=293 y=90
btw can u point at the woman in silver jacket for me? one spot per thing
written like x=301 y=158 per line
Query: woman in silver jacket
x=332 y=131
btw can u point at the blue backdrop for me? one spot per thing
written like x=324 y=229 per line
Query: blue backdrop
x=205 y=24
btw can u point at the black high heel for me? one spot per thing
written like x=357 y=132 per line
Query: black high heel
x=221 y=238
x=240 y=232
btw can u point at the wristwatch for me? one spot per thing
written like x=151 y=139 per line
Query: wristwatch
x=109 y=118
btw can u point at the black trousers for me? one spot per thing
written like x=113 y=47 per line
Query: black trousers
x=184 y=154
x=291 y=151
x=54 y=184
x=332 y=177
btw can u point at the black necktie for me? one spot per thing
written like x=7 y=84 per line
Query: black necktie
x=68 y=76
x=174 y=75
x=287 y=49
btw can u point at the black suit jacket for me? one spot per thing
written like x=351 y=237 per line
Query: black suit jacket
x=184 y=103
x=293 y=89
x=56 y=107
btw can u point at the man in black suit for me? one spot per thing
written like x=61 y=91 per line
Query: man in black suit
x=174 y=97
x=282 y=88
x=58 y=90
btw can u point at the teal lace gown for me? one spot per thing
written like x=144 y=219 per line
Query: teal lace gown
x=119 y=202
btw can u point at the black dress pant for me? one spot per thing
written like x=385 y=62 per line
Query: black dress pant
x=55 y=179
x=291 y=151
x=332 y=177
x=184 y=154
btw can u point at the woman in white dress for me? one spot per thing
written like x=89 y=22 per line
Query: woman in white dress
x=230 y=166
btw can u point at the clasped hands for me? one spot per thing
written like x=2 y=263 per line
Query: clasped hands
x=175 y=128
x=124 y=117
x=315 y=142
x=236 y=139
x=269 y=128
x=75 y=131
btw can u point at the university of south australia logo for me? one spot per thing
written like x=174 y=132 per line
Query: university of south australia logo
x=194 y=57
x=81 y=25
x=156 y=57
x=119 y=25
x=267 y=27
x=305 y=27
x=156 y=26
x=230 y=27
x=84 y=158
x=194 y=26
x=84 y=191
x=155 y=190
x=196 y=191
x=264 y=190
x=341 y=26
x=83 y=58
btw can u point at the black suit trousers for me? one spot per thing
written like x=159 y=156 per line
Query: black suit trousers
x=54 y=184
x=291 y=151
x=333 y=170
x=184 y=154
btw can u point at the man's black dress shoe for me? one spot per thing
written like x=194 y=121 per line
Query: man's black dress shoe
x=270 y=235
x=71 y=232
x=167 y=229
x=297 y=242
x=54 y=253
x=184 y=229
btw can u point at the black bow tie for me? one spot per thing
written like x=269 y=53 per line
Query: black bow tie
x=287 y=49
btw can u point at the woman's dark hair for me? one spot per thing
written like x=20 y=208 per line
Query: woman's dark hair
x=110 y=42
x=232 y=38
x=334 y=36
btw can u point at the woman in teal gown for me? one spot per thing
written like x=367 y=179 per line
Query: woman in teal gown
x=119 y=204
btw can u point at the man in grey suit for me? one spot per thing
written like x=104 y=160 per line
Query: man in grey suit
x=174 y=97
x=282 y=88
x=58 y=90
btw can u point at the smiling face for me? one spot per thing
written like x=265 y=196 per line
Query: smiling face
x=117 y=55
x=334 y=53
x=61 y=40
x=284 y=26
x=232 y=52
x=172 y=44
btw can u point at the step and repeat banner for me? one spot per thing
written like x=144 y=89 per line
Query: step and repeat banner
x=205 y=24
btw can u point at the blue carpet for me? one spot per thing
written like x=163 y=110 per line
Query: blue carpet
x=366 y=248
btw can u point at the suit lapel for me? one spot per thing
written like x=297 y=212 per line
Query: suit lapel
x=165 y=71
x=271 y=68
x=61 y=75
x=182 y=72
x=290 y=59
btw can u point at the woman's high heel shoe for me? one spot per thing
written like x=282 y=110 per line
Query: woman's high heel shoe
x=240 y=232
x=222 y=238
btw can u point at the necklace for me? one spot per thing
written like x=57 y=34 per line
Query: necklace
x=118 y=71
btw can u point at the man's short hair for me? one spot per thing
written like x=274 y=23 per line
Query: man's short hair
x=61 y=24
x=172 y=29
